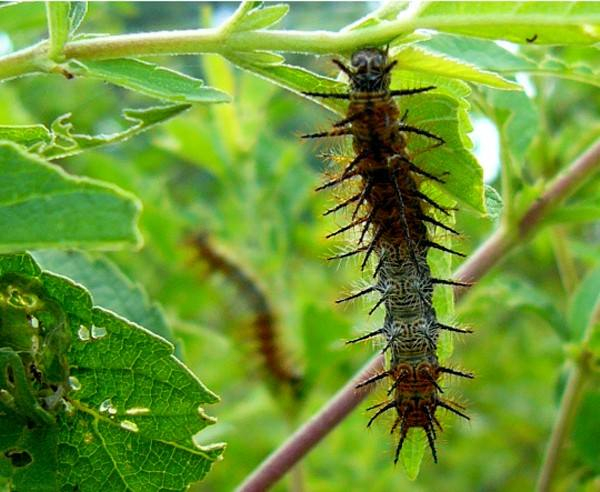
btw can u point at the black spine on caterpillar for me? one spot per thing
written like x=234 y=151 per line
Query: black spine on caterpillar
x=393 y=216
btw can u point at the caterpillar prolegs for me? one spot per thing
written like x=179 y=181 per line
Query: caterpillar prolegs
x=395 y=220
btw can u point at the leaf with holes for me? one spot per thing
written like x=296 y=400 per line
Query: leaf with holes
x=60 y=140
x=92 y=401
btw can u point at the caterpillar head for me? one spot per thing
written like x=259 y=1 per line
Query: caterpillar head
x=371 y=70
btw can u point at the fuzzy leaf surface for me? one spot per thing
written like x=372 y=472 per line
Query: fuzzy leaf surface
x=42 y=206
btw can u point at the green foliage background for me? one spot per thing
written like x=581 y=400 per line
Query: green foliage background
x=239 y=172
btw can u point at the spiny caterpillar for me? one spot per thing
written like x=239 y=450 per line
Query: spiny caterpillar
x=395 y=223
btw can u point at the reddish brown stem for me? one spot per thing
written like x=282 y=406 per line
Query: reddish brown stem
x=488 y=255
x=302 y=441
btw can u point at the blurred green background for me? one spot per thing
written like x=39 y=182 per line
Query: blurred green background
x=240 y=173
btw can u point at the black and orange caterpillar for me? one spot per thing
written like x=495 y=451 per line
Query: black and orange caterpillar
x=396 y=224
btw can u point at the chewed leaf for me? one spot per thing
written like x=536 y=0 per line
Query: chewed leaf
x=42 y=206
x=61 y=141
x=115 y=427
x=108 y=286
x=149 y=79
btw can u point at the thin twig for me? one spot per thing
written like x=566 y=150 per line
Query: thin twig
x=488 y=255
x=569 y=404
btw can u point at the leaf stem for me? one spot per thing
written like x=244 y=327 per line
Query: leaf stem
x=57 y=14
x=493 y=250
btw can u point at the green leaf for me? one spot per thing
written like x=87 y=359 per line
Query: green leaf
x=575 y=213
x=149 y=79
x=296 y=79
x=388 y=10
x=555 y=67
x=586 y=432
x=128 y=412
x=42 y=206
x=58 y=28
x=493 y=202
x=26 y=135
x=108 y=286
x=413 y=451
x=482 y=53
x=261 y=18
x=488 y=55
x=583 y=304
x=18 y=17
x=60 y=141
x=517 y=120
x=77 y=14
x=521 y=295
x=427 y=61
x=442 y=113
x=544 y=22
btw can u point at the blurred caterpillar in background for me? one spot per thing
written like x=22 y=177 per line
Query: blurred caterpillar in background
x=394 y=222
x=279 y=369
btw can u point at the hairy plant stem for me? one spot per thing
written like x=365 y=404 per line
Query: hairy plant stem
x=492 y=251
x=226 y=39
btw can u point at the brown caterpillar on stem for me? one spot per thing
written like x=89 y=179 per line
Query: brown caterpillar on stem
x=395 y=221
x=264 y=325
